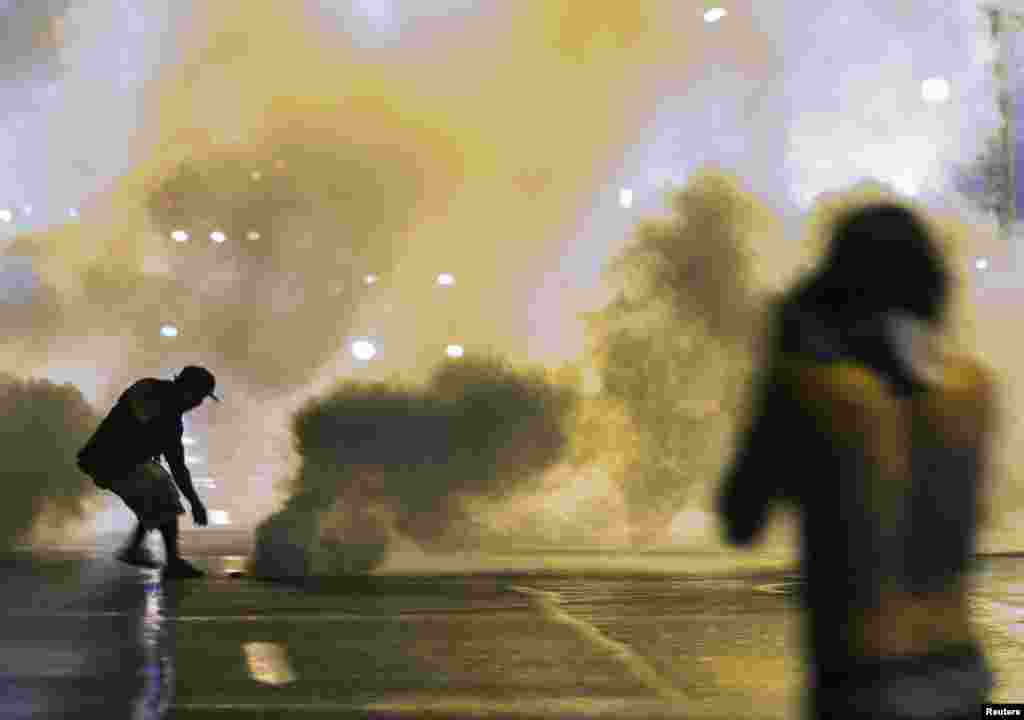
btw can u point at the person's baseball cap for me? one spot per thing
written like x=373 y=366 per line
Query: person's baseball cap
x=200 y=378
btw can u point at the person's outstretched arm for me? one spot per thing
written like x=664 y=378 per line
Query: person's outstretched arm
x=175 y=454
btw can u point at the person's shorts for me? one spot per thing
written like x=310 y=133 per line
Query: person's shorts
x=149 y=491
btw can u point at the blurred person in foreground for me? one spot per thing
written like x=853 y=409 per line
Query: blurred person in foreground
x=123 y=457
x=880 y=440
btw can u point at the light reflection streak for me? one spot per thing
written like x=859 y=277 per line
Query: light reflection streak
x=158 y=667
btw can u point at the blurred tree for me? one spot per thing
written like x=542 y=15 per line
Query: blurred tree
x=986 y=181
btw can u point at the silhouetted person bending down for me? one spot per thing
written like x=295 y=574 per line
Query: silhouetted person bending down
x=880 y=438
x=122 y=456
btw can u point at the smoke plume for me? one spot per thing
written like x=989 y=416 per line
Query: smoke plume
x=42 y=427
x=382 y=460
x=675 y=345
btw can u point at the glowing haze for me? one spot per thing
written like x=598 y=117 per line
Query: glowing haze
x=331 y=141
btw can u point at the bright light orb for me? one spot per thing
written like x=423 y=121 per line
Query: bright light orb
x=219 y=517
x=626 y=197
x=981 y=263
x=906 y=183
x=218 y=237
x=253 y=235
x=256 y=175
x=6 y=216
x=363 y=350
x=454 y=351
x=370 y=279
x=935 y=90
x=179 y=236
x=445 y=280
x=169 y=331
x=73 y=212
x=714 y=15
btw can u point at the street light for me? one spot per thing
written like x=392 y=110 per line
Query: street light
x=169 y=331
x=445 y=280
x=179 y=236
x=935 y=90
x=906 y=183
x=454 y=351
x=217 y=236
x=220 y=517
x=714 y=15
x=363 y=350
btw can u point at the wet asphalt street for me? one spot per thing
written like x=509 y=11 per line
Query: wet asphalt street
x=83 y=636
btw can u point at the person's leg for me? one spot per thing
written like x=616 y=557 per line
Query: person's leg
x=169 y=531
x=176 y=566
x=135 y=553
x=164 y=507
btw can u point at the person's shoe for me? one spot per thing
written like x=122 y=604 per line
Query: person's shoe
x=137 y=556
x=178 y=569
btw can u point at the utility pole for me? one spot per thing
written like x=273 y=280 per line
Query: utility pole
x=1003 y=21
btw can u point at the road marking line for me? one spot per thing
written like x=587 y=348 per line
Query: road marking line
x=468 y=707
x=786 y=587
x=268 y=663
x=641 y=669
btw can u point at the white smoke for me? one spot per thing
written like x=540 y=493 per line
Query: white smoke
x=581 y=99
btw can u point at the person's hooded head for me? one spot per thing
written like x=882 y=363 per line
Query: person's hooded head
x=881 y=260
x=884 y=287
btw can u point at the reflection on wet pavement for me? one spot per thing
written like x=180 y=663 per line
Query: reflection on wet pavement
x=89 y=634
x=158 y=664
x=83 y=637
